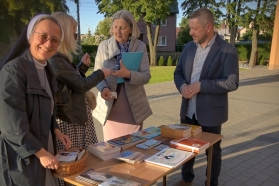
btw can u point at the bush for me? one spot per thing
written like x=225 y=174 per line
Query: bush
x=89 y=49
x=169 y=63
x=242 y=53
x=92 y=59
x=176 y=61
x=161 y=61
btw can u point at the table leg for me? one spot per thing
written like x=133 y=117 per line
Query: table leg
x=209 y=162
x=165 y=181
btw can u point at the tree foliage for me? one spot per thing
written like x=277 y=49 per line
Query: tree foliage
x=88 y=39
x=151 y=11
x=184 y=22
x=191 y=5
x=103 y=28
x=183 y=35
x=15 y=14
x=261 y=21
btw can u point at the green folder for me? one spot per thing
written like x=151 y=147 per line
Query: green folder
x=131 y=60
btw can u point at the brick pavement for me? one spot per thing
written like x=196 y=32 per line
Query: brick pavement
x=251 y=135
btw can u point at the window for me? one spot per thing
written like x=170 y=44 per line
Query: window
x=162 y=41
x=163 y=23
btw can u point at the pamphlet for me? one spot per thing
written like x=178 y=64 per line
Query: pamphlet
x=67 y=156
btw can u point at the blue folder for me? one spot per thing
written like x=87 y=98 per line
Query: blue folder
x=131 y=60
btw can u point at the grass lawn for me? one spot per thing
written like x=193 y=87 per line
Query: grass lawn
x=158 y=74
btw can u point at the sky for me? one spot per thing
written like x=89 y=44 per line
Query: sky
x=89 y=18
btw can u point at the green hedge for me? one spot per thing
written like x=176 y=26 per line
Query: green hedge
x=89 y=49
x=244 y=51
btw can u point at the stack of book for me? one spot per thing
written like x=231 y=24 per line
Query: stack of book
x=104 y=150
x=169 y=157
x=126 y=141
x=101 y=179
x=176 y=130
x=131 y=156
x=148 y=133
x=196 y=129
x=189 y=144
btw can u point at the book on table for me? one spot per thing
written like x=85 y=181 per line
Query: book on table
x=161 y=147
x=103 y=150
x=176 y=130
x=103 y=156
x=189 y=144
x=104 y=147
x=148 y=144
x=117 y=181
x=126 y=141
x=196 y=129
x=169 y=157
x=93 y=177
x=131 y=156
x=148 y=133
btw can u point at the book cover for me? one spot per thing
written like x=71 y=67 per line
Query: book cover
x=161 y=147
x=148 y=144
x=169 y=157
x=131 y=156
x=126 y=141
x=104 y=147
x=189 y=144
x=117 y=181
x=148 y=133
x=93 y=177
x=176 y=131
x=131 y=60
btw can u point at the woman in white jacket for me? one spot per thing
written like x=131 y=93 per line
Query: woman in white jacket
x=125 y=114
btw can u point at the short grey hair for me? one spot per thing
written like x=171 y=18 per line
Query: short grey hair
x=129 y=18
x=204 y=16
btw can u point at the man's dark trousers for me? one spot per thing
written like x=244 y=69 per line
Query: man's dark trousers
x=187 y=168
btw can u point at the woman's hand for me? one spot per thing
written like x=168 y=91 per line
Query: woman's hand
x=47 y=160
x=63 y=138
x=106 y=72
x=123 y=72
x=86 y=59
x=106 y=94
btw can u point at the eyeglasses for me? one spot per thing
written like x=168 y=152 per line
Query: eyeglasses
x=42 y=37
x=75 y=36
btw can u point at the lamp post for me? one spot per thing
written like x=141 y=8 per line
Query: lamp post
x=79 y=40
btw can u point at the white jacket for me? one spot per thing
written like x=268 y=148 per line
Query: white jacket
x=135 y=91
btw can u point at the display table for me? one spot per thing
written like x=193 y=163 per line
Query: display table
x=144 y=173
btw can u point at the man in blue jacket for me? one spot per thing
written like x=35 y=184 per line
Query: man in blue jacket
x=207 y=70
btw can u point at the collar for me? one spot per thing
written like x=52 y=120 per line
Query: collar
x=210 y=43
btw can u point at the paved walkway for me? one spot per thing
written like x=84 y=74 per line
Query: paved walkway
x=251 y=135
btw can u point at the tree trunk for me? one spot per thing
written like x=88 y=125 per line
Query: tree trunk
x=152 y=45
x=253 y=55
x=233 y=31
